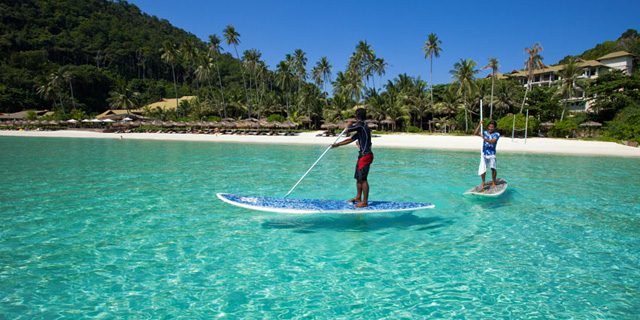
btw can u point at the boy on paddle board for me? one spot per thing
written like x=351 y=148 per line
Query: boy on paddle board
x=365 y=157
x=489 y=150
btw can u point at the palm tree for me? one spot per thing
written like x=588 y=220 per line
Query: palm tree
x=299 y=68
x=204 y=68
x=463 y=74
x=533 y=62
x=189 y=55
x=285 y=79
x=232 y=37
x=432 y=48
x=170 y=56
x=252 y=62
x=55 y=82
x=570 y=81
x=68 y=76
x=123 y=98
x=493 y=64
x=378 y=67
x=324 y=67
x=214 y=51
x=420 y=103
x=506 y=92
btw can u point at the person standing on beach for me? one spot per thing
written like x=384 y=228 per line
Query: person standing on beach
x=365 y=156
x=489 y=149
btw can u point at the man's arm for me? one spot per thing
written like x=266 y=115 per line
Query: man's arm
x=342 y=143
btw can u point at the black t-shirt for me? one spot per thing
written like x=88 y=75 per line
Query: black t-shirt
x=363 y=135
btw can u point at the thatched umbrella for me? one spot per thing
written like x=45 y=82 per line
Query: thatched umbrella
x=228 y=125
x=388 y=122
x=328 y=126
x=547 y=124
x=373 y=125
x=591 y=124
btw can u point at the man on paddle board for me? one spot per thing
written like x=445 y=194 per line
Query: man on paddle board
x=489 y=149
x=365 y=157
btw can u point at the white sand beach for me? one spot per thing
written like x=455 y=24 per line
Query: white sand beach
x=399 y=140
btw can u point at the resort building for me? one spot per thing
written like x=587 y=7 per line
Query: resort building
x=550 y=75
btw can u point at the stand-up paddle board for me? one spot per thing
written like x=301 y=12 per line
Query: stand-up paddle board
x=488 y=189
x=284 y=205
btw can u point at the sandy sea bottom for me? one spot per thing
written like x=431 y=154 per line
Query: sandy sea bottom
x=132 y=229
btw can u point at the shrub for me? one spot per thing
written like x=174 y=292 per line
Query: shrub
x=563 y=128
x=275 y=117
x=412 y=129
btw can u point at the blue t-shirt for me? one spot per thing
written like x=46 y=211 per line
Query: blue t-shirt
x=489 y=149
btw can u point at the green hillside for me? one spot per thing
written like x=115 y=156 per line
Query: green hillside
x=91 y=44
x=628 y=41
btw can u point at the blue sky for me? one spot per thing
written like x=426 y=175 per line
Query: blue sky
x=397 y=29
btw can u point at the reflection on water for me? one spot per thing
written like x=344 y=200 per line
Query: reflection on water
x=355 y=222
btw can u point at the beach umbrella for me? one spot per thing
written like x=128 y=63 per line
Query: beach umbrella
x=127 y=119
x=547 y=124
x=228 y=119
x=108 y=120
x=591 y=124
x=86 y=120
x=228 y=125
x=72 y=121
x=293 y=125
x=372 y=125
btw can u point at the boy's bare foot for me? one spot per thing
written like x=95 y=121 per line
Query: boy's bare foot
x=362 y=205
x=355 y=200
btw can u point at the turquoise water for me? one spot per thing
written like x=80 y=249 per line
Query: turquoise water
x=133 y=230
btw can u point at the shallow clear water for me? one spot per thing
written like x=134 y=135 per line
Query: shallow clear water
x=133 y=230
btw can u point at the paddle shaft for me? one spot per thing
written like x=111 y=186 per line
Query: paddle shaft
x=314 y=164
x=483 y=167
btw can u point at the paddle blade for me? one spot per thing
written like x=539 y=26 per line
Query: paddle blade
x=483 y=166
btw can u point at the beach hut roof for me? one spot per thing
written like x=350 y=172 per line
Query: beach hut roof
x=591 y=124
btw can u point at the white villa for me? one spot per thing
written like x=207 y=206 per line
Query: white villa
x=549 y=76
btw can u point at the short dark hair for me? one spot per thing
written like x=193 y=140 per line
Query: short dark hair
x=493 y=122
x=361 y=114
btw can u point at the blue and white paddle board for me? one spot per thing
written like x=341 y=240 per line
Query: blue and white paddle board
x=285 y=205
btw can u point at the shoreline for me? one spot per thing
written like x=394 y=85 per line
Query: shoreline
x=397 y=140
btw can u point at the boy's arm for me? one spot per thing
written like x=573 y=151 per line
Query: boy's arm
x=477 y=129
x=342 y=143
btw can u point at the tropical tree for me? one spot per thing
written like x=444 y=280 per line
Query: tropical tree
x=432 y=48
x=170 y=56
x=123 y=98
x=505 y=95
x=232 y=37
x=68 y=76
x=379 y=67
x=323 y=73
x=214 y=50
x=285 y=80
x=494 y=66
x=463 y=74
x=299 y=68
x=533 y=62
x=53 y=86
x=570 y=82
x=204 y=68
x=420 y=104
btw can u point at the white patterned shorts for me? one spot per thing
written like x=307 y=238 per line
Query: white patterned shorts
x=490 y=161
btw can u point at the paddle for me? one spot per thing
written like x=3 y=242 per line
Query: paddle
x=483 y=166
x=314 y=164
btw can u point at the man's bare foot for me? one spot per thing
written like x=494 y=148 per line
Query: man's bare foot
x=362 y=204
x=355 y=200
x=482 y=186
